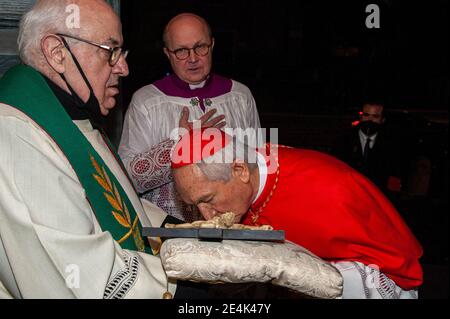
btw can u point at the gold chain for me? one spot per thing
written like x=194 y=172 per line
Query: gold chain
x=255 y=215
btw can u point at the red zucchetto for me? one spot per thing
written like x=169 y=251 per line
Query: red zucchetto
x=197 y=145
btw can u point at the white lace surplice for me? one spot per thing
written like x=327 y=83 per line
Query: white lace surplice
x=145 y=144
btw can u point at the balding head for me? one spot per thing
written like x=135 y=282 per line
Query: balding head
x=59 y=16
x=46 y=43
x=181 y=21
x=189 y=33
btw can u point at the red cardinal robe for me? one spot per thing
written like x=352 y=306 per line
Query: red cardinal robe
x=336 y=213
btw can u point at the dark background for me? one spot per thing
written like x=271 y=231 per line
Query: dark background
x=311 y=64
x=307 y=56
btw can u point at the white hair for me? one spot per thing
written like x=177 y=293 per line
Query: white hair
x=45 y=17
x=218 y=166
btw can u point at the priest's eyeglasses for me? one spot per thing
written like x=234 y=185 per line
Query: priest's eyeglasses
x=184 y=53
x=114 y=53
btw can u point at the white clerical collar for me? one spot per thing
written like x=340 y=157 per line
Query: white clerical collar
x=262 y=168
x=197 y=86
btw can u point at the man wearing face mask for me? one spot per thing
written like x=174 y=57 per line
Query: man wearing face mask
x=70 y=220
x=369 y=150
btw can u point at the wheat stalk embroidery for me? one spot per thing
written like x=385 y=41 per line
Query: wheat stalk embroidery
x=120 y=209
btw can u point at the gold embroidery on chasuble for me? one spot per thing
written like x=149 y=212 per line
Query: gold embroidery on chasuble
x=119 y=210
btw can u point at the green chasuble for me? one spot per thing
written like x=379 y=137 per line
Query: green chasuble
x=25 y=89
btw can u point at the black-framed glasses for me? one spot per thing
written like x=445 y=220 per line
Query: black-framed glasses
x=184 y=53
x=114 y=53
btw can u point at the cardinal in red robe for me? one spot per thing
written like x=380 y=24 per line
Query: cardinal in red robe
x=320 y=202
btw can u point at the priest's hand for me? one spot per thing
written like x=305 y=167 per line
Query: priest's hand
x=207 y=120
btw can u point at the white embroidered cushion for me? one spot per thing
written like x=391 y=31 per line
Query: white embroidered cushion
x=233 y=261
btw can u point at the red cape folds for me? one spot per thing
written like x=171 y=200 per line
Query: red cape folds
x=336 y=213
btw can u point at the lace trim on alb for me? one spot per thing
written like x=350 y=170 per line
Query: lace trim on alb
x=124 y=280
x=151 y=169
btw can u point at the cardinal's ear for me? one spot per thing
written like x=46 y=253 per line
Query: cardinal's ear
x=240 y=170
